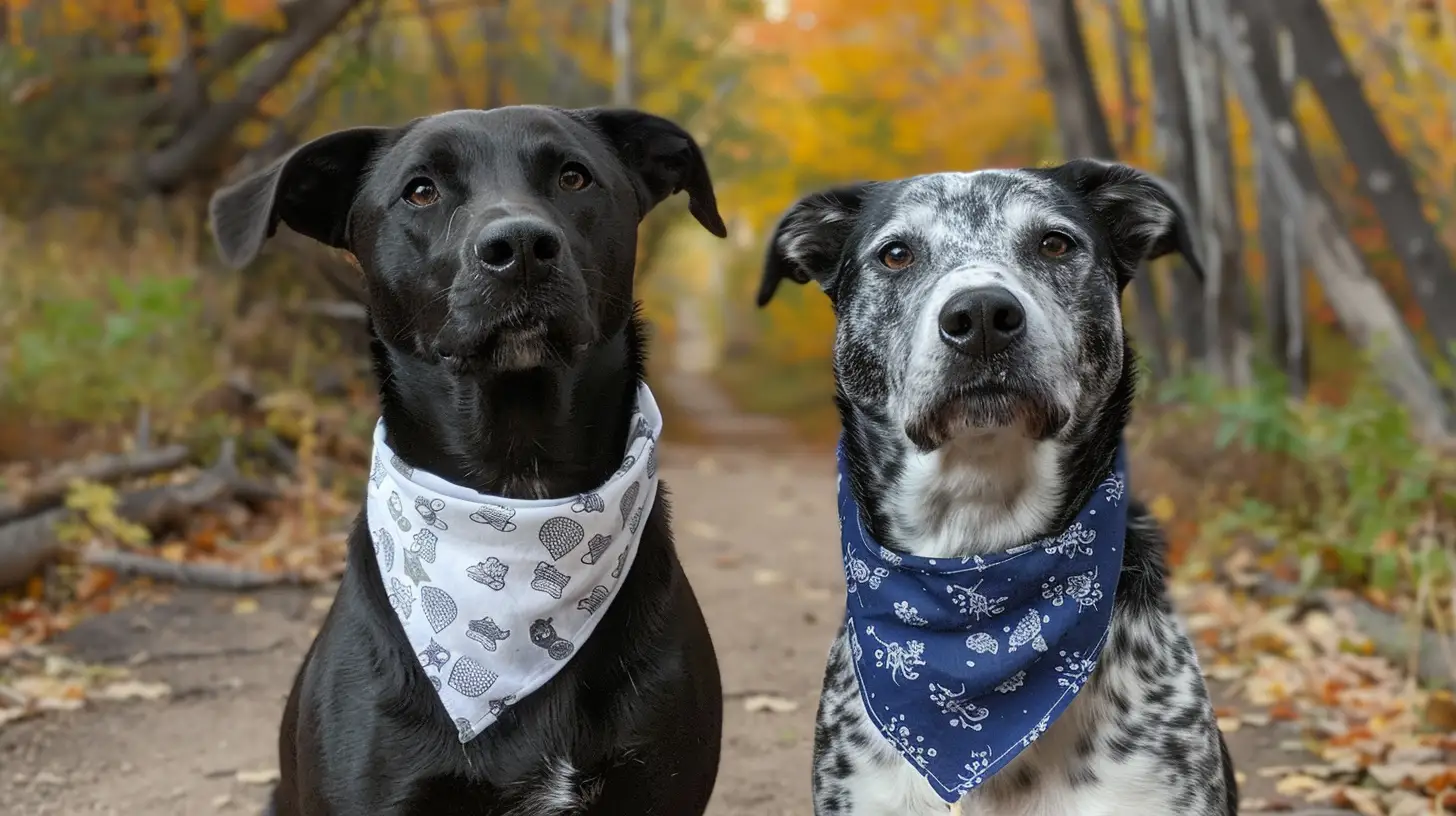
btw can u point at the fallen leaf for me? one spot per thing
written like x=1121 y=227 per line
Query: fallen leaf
x=263 y=777
x=1441 y=711
x=767 y=577
x=702 y=529
x=132 y=690
x=1163 y=508
x=1296 y=784
x=1229 y=724
x=770 y=703
x=245 y=606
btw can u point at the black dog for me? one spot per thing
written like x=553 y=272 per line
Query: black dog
x=499 y=250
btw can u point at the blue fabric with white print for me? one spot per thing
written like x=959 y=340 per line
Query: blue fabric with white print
x=964 y=662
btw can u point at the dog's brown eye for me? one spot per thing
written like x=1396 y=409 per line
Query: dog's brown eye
x=421 y=192
x=1055 y=245
x=895 y=255
x=574 y=177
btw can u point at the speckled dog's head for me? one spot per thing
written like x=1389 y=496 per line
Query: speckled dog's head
x=983 y=376
x=980 y=300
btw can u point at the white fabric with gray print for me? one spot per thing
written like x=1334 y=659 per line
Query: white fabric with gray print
x=497 y=594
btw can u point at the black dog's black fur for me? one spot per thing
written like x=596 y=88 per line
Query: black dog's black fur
x=517 y=389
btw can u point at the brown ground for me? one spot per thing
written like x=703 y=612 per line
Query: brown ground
x=757 y=536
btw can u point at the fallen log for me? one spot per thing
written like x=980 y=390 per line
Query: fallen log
x=50 y=490
x=208 y=576
x=30 y=543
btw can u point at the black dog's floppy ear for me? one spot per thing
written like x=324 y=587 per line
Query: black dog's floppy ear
x=311 y=190
x=808 y=241
x=664 y=158
x=1144 y=215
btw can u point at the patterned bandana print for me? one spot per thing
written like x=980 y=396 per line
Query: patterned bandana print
x=497 y=594
x=963 y=663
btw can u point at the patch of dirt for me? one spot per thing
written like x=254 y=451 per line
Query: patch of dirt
x=757 y=536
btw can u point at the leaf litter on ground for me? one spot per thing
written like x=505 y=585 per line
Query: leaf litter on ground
x=1384 y=745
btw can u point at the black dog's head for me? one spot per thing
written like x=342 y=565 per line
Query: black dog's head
x=492 y=241
x=498 y=249
x=981 y=311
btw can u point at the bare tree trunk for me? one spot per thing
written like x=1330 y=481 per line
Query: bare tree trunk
x=1174 y=133
x=492 y=23
x=1364 y=310
x=1225 y=304
x=1068 y=74
x=1122 y=43
x=444 y=54
x=1084 y=131
x=1384 y=175
x=1272 y=63
x=621 y=25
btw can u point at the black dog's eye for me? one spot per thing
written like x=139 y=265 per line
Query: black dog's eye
x=895 y=255
x=574 y=177
x=1055 y=245
x=421 y=192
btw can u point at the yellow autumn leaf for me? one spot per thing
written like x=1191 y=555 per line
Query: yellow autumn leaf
x=1162 y=508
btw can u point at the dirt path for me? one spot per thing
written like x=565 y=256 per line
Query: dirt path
x=757 y=537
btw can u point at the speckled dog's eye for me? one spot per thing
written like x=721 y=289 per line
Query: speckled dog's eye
x=1055 y=245
x=896 y=255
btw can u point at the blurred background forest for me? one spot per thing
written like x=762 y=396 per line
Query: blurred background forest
x=1297 y=411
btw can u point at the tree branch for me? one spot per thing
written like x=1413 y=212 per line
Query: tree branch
x=168 y=167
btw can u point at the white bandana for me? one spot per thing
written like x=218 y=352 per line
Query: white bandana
x=497 y=594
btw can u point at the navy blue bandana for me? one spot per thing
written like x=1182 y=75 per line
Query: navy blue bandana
x=963 y=662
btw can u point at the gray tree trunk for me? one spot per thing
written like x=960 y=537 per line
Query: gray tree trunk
x=1271 y=59
x=621 y=27
x=1225 y=300
x=1363 y=308
x=1082 y=124
x=1173 y=132
x=1384 y=175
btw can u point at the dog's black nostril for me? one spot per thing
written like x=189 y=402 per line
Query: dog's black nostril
x=496 y=253
x=546 y=248
x=1006 y=319
x=983 y=321
x=956 y=322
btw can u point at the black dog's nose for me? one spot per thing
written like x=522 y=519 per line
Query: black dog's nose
x=517 y=247
x=981 y=322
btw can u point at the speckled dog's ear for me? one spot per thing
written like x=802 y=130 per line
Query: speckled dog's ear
x=809 y=240
x=1144 y=215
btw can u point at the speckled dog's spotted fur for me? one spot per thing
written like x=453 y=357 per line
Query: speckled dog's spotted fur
x=953 y=454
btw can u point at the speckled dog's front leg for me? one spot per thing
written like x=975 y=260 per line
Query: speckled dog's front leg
x=856 y=770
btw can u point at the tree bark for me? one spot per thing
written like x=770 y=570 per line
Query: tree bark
x=1173 y=131
x=197 y=141
x=1224 y=298
x=1084 y=131
x=1068 y=73
x=621 y=27
x=1384 y=175
x=444 y=54
x=1363 y=308
x=1271 y=60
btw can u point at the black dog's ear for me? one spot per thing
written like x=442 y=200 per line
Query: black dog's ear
x=663 y=158
x=809 y=239
x=311 y=190
x=1144 y=215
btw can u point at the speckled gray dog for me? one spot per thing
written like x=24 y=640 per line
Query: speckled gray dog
x=984 y=381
